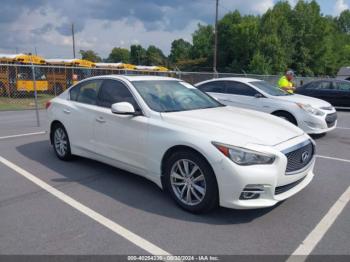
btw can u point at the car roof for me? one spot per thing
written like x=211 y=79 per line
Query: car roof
x=237 y=79
x=132 y=78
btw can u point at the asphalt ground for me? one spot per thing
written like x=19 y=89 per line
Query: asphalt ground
x=35 y=221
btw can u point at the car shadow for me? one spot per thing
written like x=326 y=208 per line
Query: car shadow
x=318 y=136
x=127 y=188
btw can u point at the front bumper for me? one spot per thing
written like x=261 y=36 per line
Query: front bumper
x=312 y=124
x=277 y=185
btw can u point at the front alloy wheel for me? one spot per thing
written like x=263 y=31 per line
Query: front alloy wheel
x=191 y=181
x=188 y=182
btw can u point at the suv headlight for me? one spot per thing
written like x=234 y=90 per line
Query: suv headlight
x=243 y=156
x=310 y=109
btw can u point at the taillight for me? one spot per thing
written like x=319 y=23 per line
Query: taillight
x=48 y=104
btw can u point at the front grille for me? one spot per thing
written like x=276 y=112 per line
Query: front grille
x=285 y=188
x=300 y=157
x=330 y=119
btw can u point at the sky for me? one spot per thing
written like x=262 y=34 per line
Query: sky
x=45 y=25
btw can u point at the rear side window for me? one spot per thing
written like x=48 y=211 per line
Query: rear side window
x=323 y=85
x=342 y=86
x=213 y=87
x=86 y=92
x=73 y=93
x=113 y=91
x=237 y=88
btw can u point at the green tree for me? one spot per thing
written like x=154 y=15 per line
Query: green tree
x=138 y=55
x=310 y=37
x=276 y=37
x=180 y=50
x=344 y=21
x=238 y=36
x=155 y=56
x=202 y=46
x=259 y=64
x=90 y=55
x=119 y=55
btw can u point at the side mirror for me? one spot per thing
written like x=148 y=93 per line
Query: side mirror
x=258 y=95
x=123 y=108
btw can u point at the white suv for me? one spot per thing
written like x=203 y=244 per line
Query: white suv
x=312 y=115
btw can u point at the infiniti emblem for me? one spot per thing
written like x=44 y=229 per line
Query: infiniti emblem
x=304 y=156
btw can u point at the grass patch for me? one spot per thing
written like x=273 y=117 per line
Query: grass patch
x=26 y=102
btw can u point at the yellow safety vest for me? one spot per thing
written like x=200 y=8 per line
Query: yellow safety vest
x=284 y=83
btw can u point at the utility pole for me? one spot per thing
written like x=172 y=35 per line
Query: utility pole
x=216 y=37
x=73 y=40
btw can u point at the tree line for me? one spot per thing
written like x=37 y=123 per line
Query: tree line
x=301 y=38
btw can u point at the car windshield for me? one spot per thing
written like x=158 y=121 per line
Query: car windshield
x=173 y=96
x=270 y=89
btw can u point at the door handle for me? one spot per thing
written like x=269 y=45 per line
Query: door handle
x=100 y=120
x=66 y=111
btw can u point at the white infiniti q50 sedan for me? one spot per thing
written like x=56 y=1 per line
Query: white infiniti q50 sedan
x=203 y=153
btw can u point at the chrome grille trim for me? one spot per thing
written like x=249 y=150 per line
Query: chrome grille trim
x=331 y=119
x=294 y=154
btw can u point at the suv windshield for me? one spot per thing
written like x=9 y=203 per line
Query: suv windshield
x=269 y=89
x=173 y=96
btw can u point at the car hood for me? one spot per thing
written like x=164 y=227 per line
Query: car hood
x=315 y=102
x=235 y=126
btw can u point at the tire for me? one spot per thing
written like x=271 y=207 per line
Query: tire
x=60 y=142
x=196 y=193
x=286 y=116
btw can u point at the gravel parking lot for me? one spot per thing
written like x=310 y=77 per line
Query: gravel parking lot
x=129 y=215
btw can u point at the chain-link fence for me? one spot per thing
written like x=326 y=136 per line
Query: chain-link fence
x=31 y=86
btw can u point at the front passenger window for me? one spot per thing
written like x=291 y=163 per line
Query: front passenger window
x=114 y=91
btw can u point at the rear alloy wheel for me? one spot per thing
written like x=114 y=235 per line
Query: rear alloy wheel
x=61 y=143
x=191 y=182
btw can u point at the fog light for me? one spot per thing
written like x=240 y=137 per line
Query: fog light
x=252 y=192
x=249 y=195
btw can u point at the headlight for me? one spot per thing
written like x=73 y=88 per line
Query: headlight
x=310 y=109
x=243 y=156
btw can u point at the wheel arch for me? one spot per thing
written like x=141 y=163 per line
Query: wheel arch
x=275 y=113
x=52 y=125
x=178 y=148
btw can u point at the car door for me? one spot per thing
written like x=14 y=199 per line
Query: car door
x=242 y=95
x=321 y=89
x=120 y=138
x=79 y=114
x=343 y=91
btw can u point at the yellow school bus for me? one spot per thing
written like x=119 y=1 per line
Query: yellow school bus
x=151 y=68
x=112 y=68
x=16 y=74
x=62 y=73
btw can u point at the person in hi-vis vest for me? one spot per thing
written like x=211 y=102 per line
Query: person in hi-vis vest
x=286 y=83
